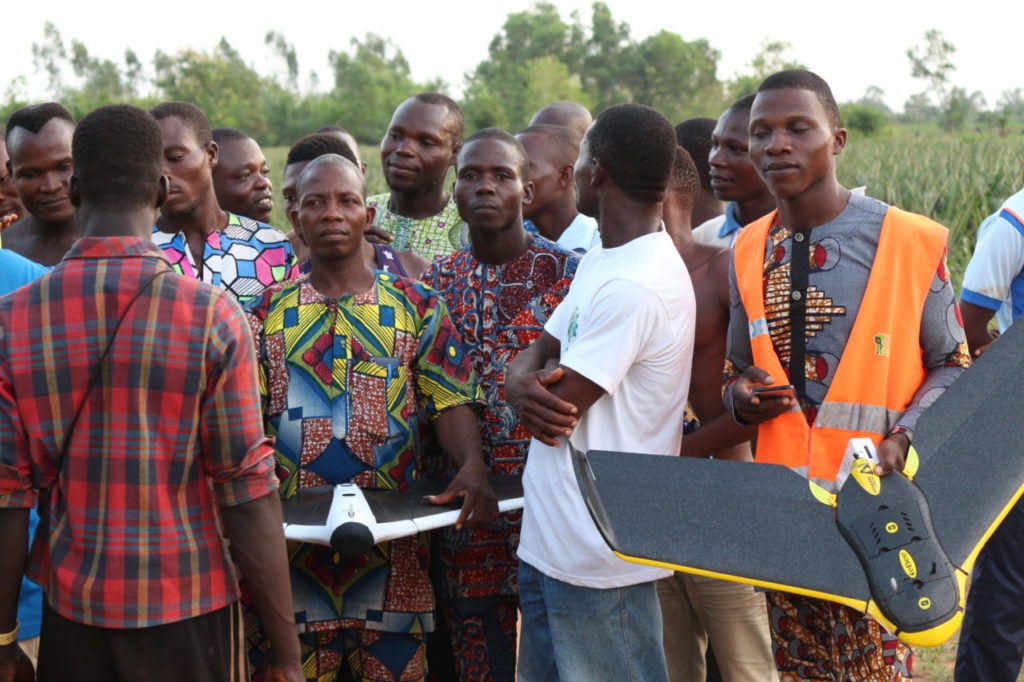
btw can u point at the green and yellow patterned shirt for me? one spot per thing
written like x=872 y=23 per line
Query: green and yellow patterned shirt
x=431 y=238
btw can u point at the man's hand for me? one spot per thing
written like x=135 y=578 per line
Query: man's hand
x=757 y=409
x=994 y=335
x=280 y=672
x=479 y=502
x=7 y=220
x=15 y=666
x=375 y=235
x=545 y=415
x=892 y=453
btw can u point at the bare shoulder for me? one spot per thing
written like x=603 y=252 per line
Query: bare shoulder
x=413 y=264
x=15 y=235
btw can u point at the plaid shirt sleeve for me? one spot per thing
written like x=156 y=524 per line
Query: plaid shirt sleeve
x=238 y=455
x=16 y=490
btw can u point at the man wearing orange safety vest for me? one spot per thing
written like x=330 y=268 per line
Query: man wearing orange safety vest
x=848 y=301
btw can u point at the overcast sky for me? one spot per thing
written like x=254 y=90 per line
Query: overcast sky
x=860 y=45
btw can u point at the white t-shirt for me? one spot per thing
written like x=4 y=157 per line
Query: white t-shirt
x=994 y=278
x=626 y=324
x=707 y=233
x=581 y=235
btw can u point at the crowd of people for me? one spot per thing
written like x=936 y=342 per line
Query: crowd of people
x=172 y=366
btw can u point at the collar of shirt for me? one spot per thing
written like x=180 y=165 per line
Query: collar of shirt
x=731 y=224
x=114 y=247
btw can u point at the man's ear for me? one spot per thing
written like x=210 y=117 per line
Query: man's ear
x=527 y=193
x=599 y=175
x=371 y=214
x=566 y=176
x=838 y=141
x=74 y=190
x=161 y=193
x=456 y=148
x=212 y=154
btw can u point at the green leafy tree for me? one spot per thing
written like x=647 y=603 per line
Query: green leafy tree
x=961 y=107
x=228 y=90
x=932 y=62
x=772 y=57
x=861 y=118
x=499 y=91
x=1011 y=104
x=919 y=108
x=370 y=80
x=607 y=51
x=48 y=56
x=674 y=76
x=92 y=82
x=874 y=97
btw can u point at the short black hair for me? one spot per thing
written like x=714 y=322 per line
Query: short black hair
x=743 y=104
x=637 y=146
x=331 y=160
x=694 y=135
x=191 y=115
x=33 y=118
x=523 y=160
x=685 y=182
x=803 y=79
x=316 y=145
x=118 y=156
x=454 y=110
x=565 y=140
x=222 y=135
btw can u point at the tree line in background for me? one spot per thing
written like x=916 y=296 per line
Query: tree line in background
x=537 y=57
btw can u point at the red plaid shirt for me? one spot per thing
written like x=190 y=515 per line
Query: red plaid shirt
x=129 y=535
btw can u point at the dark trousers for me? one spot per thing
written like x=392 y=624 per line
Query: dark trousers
x=207 y=648
x=992 y=636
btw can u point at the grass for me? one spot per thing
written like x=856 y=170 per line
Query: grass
x=955 y=180
x=935 y=664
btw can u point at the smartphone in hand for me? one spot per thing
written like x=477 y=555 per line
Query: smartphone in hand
x=771 y=389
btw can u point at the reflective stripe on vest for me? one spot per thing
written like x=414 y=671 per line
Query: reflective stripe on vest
x=881 y=367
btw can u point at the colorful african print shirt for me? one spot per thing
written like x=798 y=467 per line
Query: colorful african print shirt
x=245 y=257
x=498 y=310
x=341 y=381
x=841 y=254
x=431 y=238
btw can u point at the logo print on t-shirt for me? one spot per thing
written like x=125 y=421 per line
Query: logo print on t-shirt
x=574 y=324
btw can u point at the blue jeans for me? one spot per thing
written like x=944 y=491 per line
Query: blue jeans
x=583 y=634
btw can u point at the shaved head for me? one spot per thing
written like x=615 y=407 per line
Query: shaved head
x=335 y=161
x=561 y=143
x=569 y=114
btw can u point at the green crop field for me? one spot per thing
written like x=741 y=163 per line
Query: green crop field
x=956 y=180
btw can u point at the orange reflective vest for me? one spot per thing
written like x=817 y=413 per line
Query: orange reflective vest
x=881 y=367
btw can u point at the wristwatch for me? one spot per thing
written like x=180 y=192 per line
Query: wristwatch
x=901 y=429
